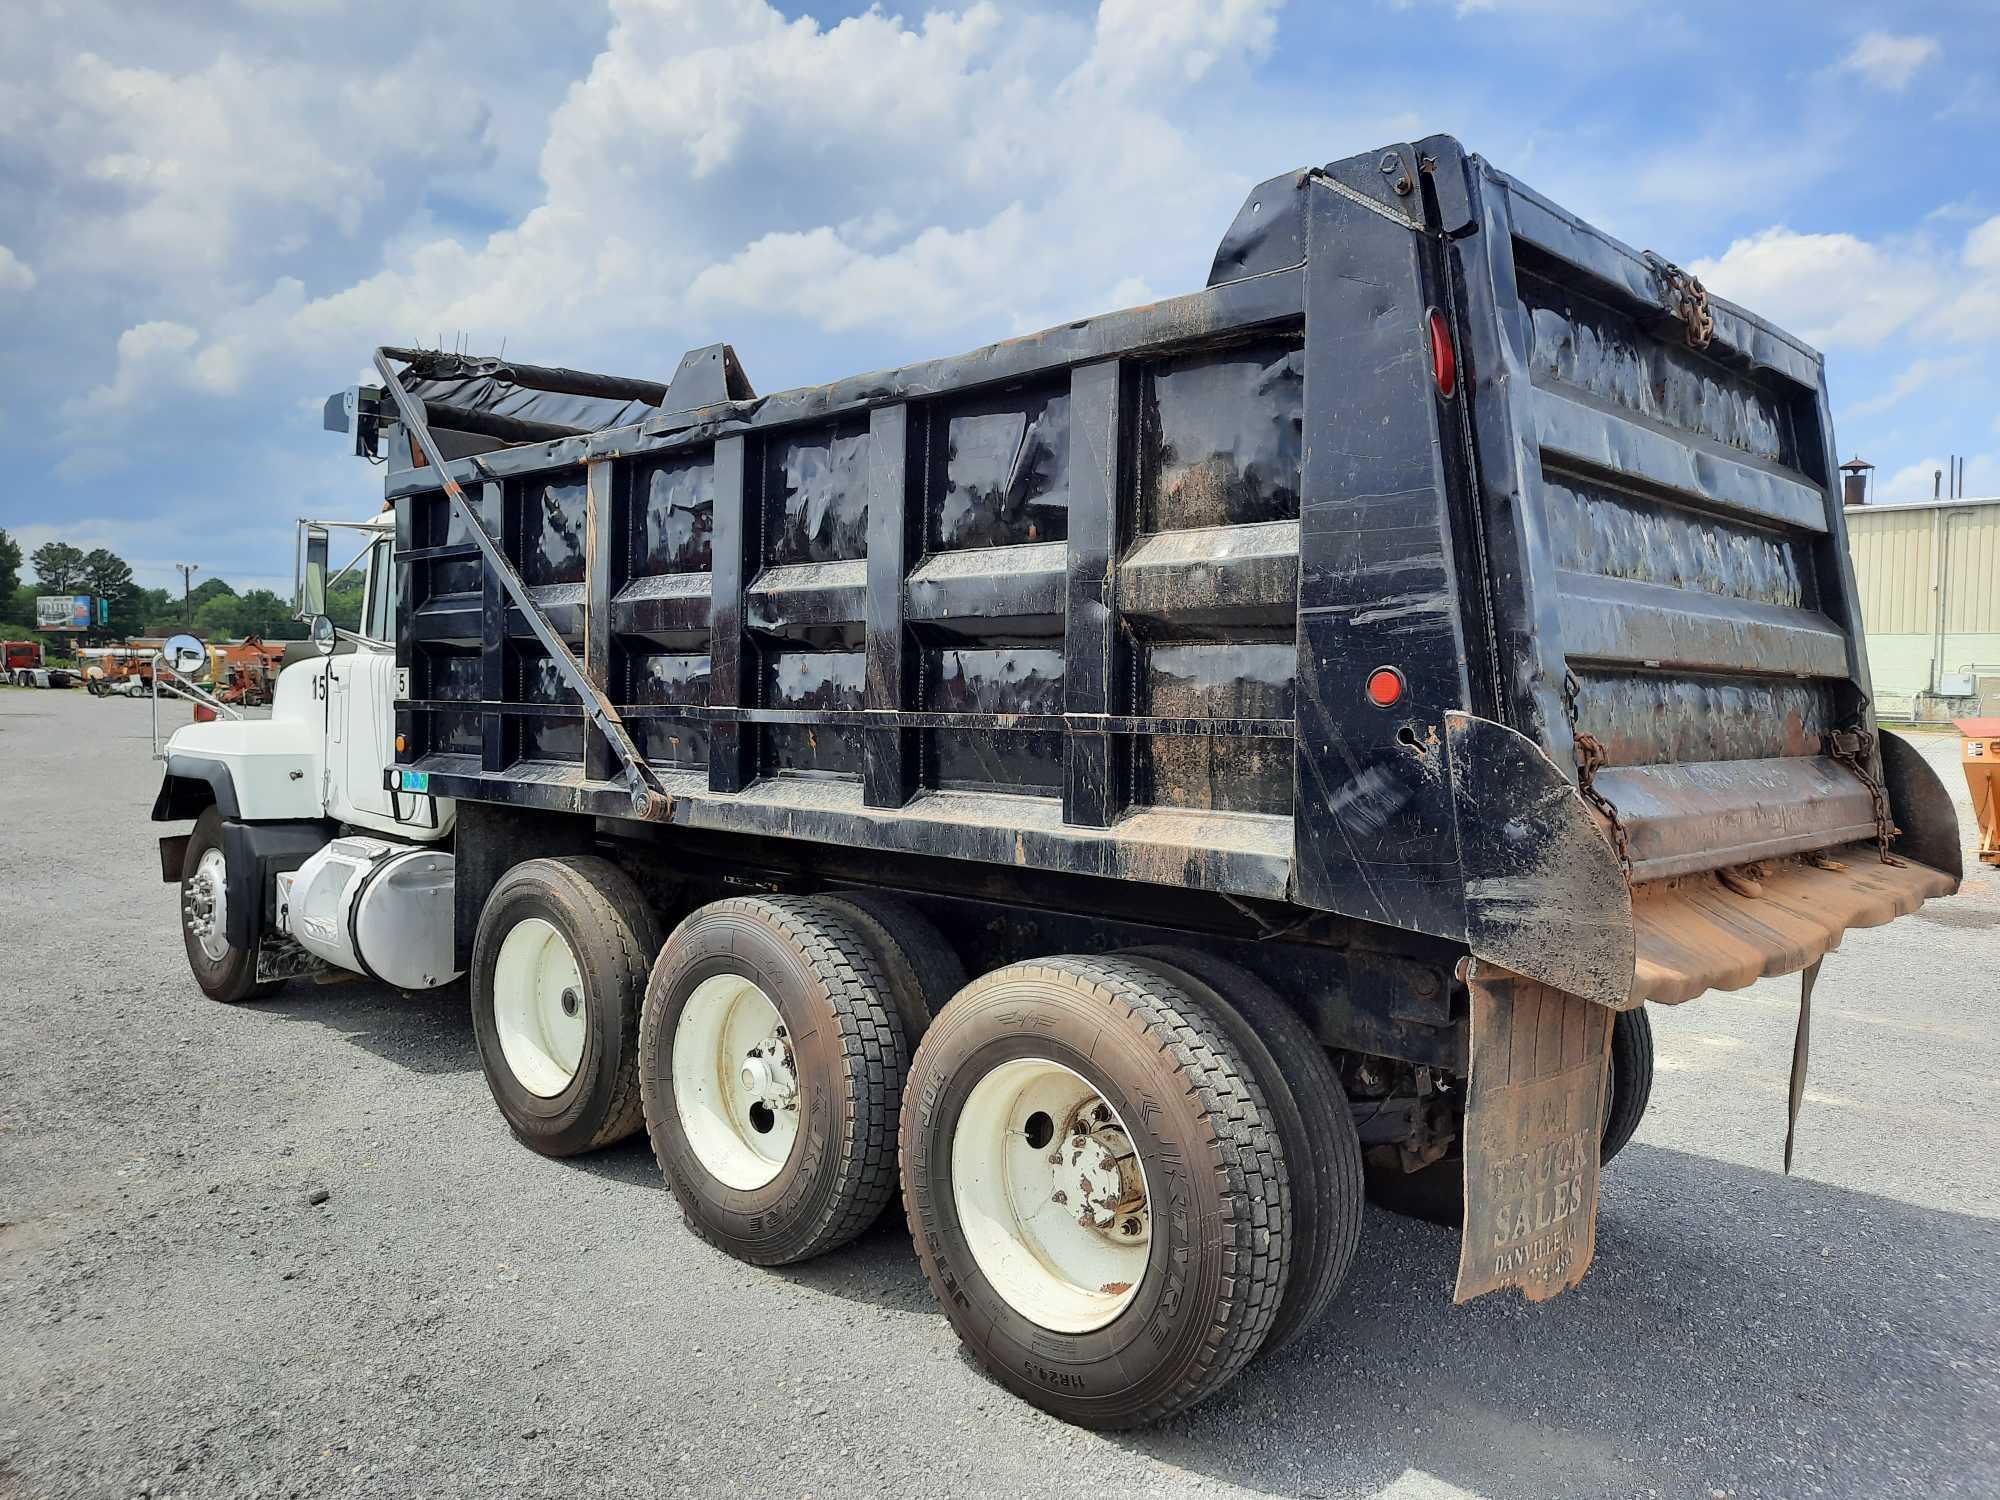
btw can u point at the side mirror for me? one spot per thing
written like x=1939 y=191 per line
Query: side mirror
x=324 y=637
x=312 y=587
x=185 y=655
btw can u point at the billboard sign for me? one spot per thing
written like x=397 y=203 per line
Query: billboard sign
x=64 y=612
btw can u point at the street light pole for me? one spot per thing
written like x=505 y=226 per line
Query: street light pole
x=188 y=570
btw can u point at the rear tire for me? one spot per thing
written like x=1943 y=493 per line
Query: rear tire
x=922 y=969
x=1148 y=1284
x=1313 y=1119
x=558 y=981
x=1631 y=1079
x=224 y=972
x=1436 y=1193
x=772 y=1067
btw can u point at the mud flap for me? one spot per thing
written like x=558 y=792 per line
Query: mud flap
x=1534 y=1119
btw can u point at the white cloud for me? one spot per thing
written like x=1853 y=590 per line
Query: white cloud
x=151 y=357
x=1142 y=42
x=1830 y=289
x=1919 y=480
x=1971 y=309
x=712 y=163
x=15 y=274
x=194 y=156
x=1585 y=9
x=1839 y=290
x=1888 y=61
x=1920 y=374
x=939 y=277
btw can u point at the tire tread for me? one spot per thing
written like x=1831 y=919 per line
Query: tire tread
x=1250 y=1165
x=875 y=1057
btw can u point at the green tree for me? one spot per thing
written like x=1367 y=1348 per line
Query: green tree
x=105 y=575
x=219 y=617
x=343 y=601
x=10 y=567
x=58 y=567
x=208 y=589
x=264 y=614
x=159 y=611
x=256 y=612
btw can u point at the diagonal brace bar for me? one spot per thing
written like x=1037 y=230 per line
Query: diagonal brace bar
x=650 y=801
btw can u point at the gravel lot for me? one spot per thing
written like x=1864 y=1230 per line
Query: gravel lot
x=463 y=1317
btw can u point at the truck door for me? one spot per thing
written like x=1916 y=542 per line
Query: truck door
x=360 y=706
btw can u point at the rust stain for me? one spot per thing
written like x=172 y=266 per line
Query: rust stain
x=1726 y=929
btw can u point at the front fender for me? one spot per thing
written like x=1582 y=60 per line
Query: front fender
x=259 y=770
x=192 y=784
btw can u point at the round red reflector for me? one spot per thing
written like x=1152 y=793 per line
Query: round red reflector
x=1385 y=687
x=1444 y=356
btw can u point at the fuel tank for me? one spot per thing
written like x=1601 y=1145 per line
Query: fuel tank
x=376 y=907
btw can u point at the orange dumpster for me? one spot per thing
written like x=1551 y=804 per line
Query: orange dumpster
x=1979 y=748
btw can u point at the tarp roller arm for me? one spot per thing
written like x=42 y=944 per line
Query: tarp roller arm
x=649 y=799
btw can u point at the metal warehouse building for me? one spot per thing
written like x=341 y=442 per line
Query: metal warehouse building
x=1930 y=597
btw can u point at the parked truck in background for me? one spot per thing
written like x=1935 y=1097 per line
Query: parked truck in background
x=26 y=666
x=1129 y=786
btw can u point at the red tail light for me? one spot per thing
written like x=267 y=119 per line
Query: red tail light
x=1385 y=687
x=1444 y=355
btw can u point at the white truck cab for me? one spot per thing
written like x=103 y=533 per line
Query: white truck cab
x=302 y=855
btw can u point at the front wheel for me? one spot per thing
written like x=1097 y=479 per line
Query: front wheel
x=224 y=972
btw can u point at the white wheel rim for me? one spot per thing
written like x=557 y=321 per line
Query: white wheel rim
x=539 y=1007
x=736 y=1086
x=1051 y=1195
x=205 y=905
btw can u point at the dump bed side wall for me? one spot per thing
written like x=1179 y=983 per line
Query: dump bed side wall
x=989 y=607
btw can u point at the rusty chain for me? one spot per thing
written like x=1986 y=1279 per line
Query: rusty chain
x=1686 y=299
x=1590 y=758
x=1854 y=747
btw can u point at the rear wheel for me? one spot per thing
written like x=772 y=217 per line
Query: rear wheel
x=772 y=1073
x=1437 y=1192
x=1311 y=1112
x=922 y=969
x=1097 y=1193
x=558 y=980
x=224 y=972
x=1631 y=1079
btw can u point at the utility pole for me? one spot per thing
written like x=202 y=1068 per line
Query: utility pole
x=188 y=570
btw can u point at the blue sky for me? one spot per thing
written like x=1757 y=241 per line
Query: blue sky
x=209 y=214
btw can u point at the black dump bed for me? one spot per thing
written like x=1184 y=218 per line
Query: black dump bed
x=1109 y=599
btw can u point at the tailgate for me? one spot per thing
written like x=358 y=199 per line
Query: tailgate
x=1683 y=546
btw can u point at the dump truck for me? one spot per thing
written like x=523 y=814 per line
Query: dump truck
x=1133 y=788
